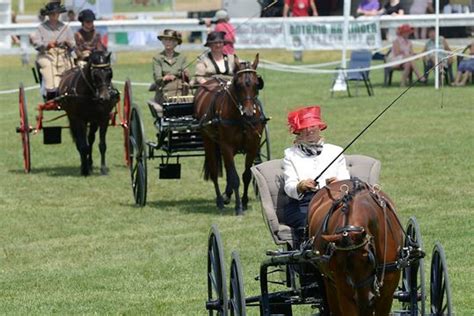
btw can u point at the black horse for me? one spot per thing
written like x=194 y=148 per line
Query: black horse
x=88 y=97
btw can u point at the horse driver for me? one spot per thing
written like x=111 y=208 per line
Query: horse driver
x=215 y=63
x=87 y=39
x=54 y=42
x=303 y=162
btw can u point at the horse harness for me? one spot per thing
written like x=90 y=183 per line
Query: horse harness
x=375 y=279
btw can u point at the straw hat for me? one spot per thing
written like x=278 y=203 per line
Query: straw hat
x=53 y=7
x=305 y=117
x=170 y=34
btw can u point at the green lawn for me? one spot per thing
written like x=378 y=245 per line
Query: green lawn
x=74 y=245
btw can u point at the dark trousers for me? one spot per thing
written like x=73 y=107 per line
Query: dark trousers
x=296 y=216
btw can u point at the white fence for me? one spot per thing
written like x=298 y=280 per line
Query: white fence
x=155 y=26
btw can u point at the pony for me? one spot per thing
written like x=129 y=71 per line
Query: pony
x=88 y=97
x=231 y=121
x=359 y=236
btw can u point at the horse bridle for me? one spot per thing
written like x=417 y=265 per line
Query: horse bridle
x=92 y=67
x=238 y=103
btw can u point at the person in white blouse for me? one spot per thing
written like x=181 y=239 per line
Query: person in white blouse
x=305 y=160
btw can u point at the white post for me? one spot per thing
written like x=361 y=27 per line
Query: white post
x=21 y=6
x=437 y=45
x=345 y=31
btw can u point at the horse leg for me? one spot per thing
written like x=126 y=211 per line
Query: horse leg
x=91 y=139
x=211 y=168
x=103 y=147
x=247 y=175
x=383 y=303
x=232 y=177
x=79 y=133
x=227 y=194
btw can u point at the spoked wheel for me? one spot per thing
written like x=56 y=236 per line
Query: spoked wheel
x=263 y=154
x=216 y=280
x=440 y=288
x=138 y=156
x=127 y=103
x=413 y=276
x=236 y=287
x=24 y=129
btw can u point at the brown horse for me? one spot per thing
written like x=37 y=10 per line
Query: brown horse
x=357 y=231
x=88 y=97
x=231 y=121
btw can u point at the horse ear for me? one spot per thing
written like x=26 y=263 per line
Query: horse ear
x=108 y=56
x=255 y=62
x=237 y=63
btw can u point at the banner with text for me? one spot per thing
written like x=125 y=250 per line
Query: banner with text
x=308 y=35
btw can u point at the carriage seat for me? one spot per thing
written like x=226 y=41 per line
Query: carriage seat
x=270 y=183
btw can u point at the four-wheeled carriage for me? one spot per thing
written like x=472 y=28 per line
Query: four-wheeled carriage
x=178 y=135
x=52 y=134
x=300 y=287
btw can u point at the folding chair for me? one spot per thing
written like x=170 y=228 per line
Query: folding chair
x=360 y=59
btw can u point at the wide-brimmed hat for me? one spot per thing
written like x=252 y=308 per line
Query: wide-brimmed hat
x=215 y=37
x=86 y=16
x=305 y=117
x=53 y=7
x=221 y=15
x=170 y=34
x=404 y=29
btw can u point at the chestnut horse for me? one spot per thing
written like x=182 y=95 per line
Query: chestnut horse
x=232 y=121
x=88 y=97
x=355 y=228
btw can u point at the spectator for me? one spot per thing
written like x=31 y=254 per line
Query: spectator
x=401 y=49
x=71 y=16
x=215 y=63
x=393 y=7
x=465 y=69
x=270 y=10
x=421 y=7
x=87 y=39
x=369 y=8
x=15 y=38
x=455 y=31
x=169 y=73
x=54 y=42
x=223 y=25
x=304 y=161
x=455 y=8
x=299 y=8
x=430 y=60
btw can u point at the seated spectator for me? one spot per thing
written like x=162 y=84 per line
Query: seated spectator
x=87 y=39
x=401 y=49
x=421 y=7
x=455 y=8
x=465 y=69
x=430 y=60
x=369 y=8
x=393 y=7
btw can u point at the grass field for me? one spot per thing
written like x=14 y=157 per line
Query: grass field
x=74 y=245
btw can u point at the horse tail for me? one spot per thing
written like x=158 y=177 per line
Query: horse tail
x=218 y=157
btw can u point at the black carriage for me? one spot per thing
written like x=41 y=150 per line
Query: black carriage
x=177 y=136
x=284 y=269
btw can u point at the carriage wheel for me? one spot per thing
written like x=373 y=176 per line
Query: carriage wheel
x=263 y=155
x=127 y=102
x=236 y=287
x=137 y=156
x=413 y=276
x=216 y=280
x=24 y=129
x=440 y=288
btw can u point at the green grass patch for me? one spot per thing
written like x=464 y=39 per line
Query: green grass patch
x=74 y=245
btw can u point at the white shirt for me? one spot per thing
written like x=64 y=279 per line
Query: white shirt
x=297 y=166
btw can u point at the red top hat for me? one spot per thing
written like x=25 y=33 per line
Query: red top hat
x=404 y=28
x=305 y=117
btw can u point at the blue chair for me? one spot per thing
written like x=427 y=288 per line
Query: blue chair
x=360 y=59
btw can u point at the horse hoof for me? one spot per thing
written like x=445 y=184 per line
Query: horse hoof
x=104 y=171
x=226 y=198
x=239 y=212
x=220 y=204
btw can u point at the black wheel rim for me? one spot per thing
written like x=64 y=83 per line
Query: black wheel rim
x=413 y=276
x=216 y=280
x=137 y=158
x=236 y=287
x=24 y=130
x=440 y=290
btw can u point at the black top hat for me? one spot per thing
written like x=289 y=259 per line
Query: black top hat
x=215 y=37
x=54 y=7
x=170 y=34
x=86 y=16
